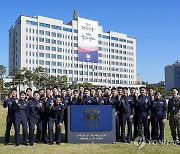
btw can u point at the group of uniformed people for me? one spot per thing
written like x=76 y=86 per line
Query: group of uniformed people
x=44 y=108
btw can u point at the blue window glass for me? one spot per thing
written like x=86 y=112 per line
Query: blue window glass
x=41 y=47
x=47 y=62
x=47 y=55
x=53 y=34
x=41 y=62
x=59 y=56
x=114 y=38
x=53 y=48
x=53 y=63
x=56 y=27
x=48 y=48
x=59 y=63
x=47 y=40
x=60 y=71
x=105 y=37
x=53 y=55
x=59 y=35
x=41 y=32
x=41 y=39
x=75 y=31
x=41 y=54
x=53 y=70
x=67 y=29
x=31 y=22
x=44 y=25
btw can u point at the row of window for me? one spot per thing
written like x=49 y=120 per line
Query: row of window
x=50 y=26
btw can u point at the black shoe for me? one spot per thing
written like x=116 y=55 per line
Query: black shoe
x=17 y=145
x=58 y=143
x=50 y=143
x=31 y=144
x=45 y=142
x=37 y=141
x=25 y=144
x=128 y=141
x=6 y=143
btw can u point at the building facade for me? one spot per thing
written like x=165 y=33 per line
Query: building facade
x=172 y=76
x=53 y=45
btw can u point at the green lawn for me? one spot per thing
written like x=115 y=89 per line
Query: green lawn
x=84 y=148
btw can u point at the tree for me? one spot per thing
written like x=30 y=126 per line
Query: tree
x=2 y=73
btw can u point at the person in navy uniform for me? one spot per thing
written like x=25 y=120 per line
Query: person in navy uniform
x=20 y=108
x=76 y=100
x=10 y=115
x=106 y=94
x=69 y=95
x=173 y=114
x=81 y=91
x=48 y=99
x=100 y=99
x=126 y=113
x=93 y=93
x=158 y=116
x=87 y=99
x=29 y=94
x=42 y=94
x=135 y=120
x=113 y=100
x=36 y=110
x=55 y=92
x=143 y=113
x=65 y=101
x=152 y=97
x=56 y=113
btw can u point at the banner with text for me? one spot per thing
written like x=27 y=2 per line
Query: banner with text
x=87 y=40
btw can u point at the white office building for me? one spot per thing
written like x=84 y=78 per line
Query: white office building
x=51 y=44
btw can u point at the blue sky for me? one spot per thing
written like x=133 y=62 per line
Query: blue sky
x=154 y=23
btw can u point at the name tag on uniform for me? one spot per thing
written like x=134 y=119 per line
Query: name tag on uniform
x=174 y=108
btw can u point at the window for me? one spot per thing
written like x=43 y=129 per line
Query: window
x=47 y=40
x=67 y=29
x=59 y=63
x=75 y=38
x=59 y=56
x=70 y=71
x=56 y=27
x=53 y=34
x=53 y=70
x=59 y=49
x=44 y=25
x=53 y=49
x=105 y=37
x=47 y=48
x=75 y=44
x=59 y=35
x=41 y=32
x=53 y=63
x=60 y=71
x=114 y=38
x=47 y=55
x=75 y=31
x=41 y=54
x=41 y=62
x=31 y=22
x=53 y=55
x=41 y=47
x=47 y=62
x=53 y=41
x=41 y=39
x=47 y=33
x=59 y=42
